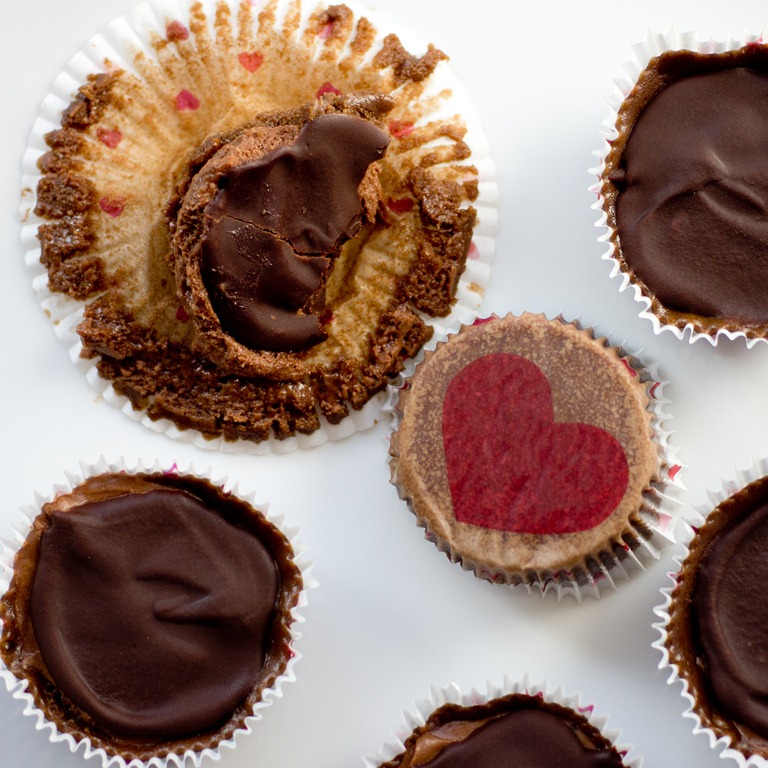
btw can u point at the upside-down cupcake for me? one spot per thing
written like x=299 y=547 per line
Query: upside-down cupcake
x=149 y=615
x=712 y=629
x=682 y=185
x=518 y=724
x=250 y=218
x=532 y=453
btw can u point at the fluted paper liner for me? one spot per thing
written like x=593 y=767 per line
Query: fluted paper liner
x=690 y=524
x=654 y=44
x=420 y=711
x=19 y=688
x=643 y=539
x=184 y=56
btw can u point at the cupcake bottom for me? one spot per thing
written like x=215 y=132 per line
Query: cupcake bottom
x=533 y=454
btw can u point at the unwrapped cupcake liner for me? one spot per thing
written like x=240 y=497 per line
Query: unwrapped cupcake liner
x=654 y=44
x=690 y=525
x=136 y=34
x=19 y=688
x=417 y=715
x=604 y=570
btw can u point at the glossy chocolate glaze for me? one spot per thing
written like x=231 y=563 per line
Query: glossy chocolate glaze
x=729 y=614
x=691 y=184
x=149 y=610
x=274 y=222
x=519 y=730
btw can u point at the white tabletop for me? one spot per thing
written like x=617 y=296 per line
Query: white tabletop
x=392 y=616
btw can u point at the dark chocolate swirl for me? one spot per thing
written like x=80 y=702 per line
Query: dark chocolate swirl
x=274 y=224
x=527 y=738
x=692 y=204
x=518 y=730
x=153 y=612
x=729 y=616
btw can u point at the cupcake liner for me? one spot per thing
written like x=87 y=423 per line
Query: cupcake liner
x=651 y=46
x=691 y=523
x=138 y=43
x=19 y=688
x=640 y=545
x=452 y=694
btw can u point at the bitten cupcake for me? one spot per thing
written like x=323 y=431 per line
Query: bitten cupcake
x=149 y=615
x=523 y=725
x=532 y=453
x=683 y=190
x=712 y=629
x=251 y=217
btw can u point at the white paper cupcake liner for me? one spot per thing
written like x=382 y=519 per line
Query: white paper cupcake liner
x=691 y=523
x=116 y=47
x=19 y=688
x=452 y=694
x=661 y=506
x=653 y=45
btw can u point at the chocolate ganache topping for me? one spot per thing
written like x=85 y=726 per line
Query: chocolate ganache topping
x=729 y=614
x=691 y=184
x=275 y=225
x=518 y=730
x=149 y=609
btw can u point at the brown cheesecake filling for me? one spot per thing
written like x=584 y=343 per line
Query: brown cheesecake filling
x=149 y=609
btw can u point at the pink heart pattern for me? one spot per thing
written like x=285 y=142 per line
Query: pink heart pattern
x=511 y=467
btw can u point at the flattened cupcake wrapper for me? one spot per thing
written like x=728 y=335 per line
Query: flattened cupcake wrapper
x=602 y=570
x=654 y=44
x=452 y=694
x=19 y=688
x=143 y=32
x=691 y=524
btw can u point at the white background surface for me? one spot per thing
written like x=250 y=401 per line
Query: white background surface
x=391 y=615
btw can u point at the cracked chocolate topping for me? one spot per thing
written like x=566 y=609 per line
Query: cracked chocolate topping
x=274 y=224
x=718 y=618
x=689 y=181
x=149 y=608
x=518 y=730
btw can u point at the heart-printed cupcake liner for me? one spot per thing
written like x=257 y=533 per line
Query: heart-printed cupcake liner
x=182 y=59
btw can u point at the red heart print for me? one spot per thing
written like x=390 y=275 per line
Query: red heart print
x=511 y=467
x=251 y=60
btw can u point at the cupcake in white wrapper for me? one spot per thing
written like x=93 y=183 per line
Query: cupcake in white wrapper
x=680 y=185
x=156 y=113
x=149 y=614
x=535 y=454
x=712 y=636
x=539 y=725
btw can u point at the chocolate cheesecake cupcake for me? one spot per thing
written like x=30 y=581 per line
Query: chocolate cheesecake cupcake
x=251 y=222
x=684 y=193
x=150 y=614
x=520 y=725
x=532 y=454
x=713 y=621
